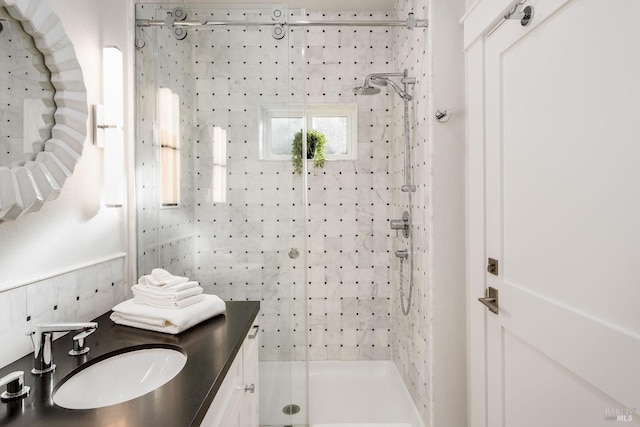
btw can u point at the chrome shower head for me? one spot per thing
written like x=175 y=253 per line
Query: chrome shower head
x=383 y=79
x=366 y=90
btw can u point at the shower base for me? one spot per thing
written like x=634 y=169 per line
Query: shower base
x=341 y=394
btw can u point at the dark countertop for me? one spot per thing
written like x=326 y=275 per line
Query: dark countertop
x=210 y=346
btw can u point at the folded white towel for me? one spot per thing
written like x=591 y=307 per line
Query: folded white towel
x=168 y=294
x=165 y=303
x=170 y=289
x=167 y=289
x=152 y=281
x=161 y=274
x=166 y=320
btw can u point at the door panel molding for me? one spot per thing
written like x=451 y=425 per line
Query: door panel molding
x=585 y=344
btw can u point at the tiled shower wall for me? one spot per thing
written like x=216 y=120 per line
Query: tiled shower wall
x=166 y=235
x=241 y=247
x=411 y=341
x=349 y=255
x=79 y=295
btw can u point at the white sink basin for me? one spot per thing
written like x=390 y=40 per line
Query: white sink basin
x=119 y=378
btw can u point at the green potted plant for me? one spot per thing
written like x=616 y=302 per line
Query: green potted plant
x=316 y=143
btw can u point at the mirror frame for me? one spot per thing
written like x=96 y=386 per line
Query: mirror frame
x=28 y=187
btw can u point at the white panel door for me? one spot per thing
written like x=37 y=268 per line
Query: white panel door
x=563 y=216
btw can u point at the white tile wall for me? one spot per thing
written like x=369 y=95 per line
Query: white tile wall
x=349 y=258
x=77 y=296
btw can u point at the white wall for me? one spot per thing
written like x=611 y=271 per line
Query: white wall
x=75 y=229
x=469 y=3
x=448 y=286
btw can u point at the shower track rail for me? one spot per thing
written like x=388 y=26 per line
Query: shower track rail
x=410 y=23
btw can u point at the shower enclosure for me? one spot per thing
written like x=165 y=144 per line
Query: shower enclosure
x=218 y=104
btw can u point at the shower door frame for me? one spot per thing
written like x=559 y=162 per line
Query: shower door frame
x=298 y=211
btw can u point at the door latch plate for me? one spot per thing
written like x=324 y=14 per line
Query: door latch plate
x=492 y=266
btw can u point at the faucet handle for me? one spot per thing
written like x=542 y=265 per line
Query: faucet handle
x=43 y=342
x=79 y=346
x=64 y=326
x=15 y=386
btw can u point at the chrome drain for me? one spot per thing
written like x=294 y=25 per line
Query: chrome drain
x=291 y=409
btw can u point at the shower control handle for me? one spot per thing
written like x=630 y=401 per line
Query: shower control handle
x=397 y=224
x=294 y=253
x=403 y=224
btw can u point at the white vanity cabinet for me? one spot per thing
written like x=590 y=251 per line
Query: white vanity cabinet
x=236 y=402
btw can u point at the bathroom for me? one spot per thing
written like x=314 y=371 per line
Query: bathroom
x=324 y=252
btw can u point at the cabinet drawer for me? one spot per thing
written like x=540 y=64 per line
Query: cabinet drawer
x=250 y=346
x=226 y=397
x=235 y=404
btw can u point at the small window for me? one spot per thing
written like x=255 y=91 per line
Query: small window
x=338 y=122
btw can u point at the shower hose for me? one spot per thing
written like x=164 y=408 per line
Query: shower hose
x=409 y=186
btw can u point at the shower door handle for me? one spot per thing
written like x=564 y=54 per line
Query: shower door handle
x=254 y=335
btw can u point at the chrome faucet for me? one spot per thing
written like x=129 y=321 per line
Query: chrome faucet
x=43 y=343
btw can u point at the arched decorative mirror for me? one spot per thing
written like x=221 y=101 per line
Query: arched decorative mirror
x=43 y=107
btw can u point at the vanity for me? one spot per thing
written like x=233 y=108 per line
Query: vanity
x=217 y=386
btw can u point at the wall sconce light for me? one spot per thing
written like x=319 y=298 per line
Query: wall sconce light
x=169 y=131
x=219 y=184
x=109 y=123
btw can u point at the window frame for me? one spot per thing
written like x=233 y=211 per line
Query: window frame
x=271 y=111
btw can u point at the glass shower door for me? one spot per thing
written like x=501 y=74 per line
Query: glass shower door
x=239 y=224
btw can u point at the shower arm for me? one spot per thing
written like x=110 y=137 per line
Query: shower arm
x=402 y=93
x=380 y=76
x=383 y=79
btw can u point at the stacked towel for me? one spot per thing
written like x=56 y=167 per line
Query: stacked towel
x=161 y=278
x=166 y=303
x=167 y=320
x=164 y=290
